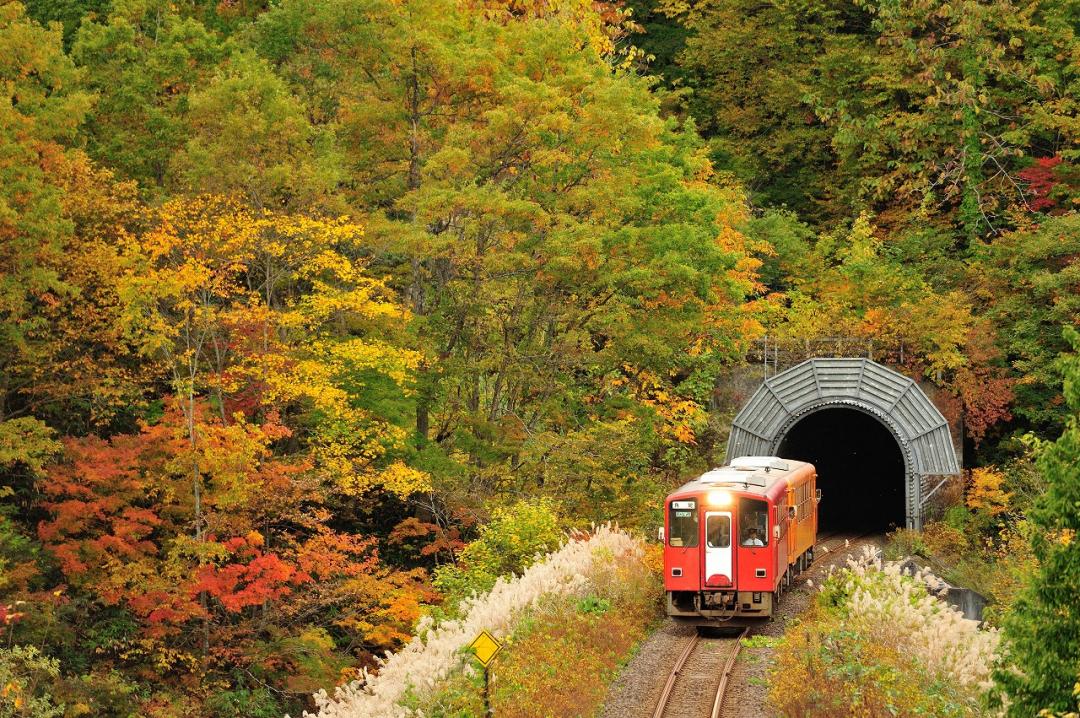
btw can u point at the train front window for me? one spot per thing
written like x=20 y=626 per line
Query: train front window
x=683 y=524
x=718 y=531
x=753 y=522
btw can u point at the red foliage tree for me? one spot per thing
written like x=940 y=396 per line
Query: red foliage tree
x=1043 y=182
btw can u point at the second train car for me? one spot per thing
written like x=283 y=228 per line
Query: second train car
x=735 y=537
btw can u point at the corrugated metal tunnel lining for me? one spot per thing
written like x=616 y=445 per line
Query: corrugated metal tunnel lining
x=890 y=398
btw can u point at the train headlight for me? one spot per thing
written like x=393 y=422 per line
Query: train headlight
x=719 y=498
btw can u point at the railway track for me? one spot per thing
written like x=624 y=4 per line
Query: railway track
x=697 y=682
x=833 y=540
x=690 y=685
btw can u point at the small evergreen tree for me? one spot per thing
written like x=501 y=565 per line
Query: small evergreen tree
x=1041 y=661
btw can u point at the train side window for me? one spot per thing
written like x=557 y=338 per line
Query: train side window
x=804 y=502
x=683 y=521
x=718 y=531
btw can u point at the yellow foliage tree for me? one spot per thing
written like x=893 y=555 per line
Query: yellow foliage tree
x=604 y=25
x=265 y=310
x=985 y=491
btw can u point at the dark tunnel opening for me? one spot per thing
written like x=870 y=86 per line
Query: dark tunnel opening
x=860 y=469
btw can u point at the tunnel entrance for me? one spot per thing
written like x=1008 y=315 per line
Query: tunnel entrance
x=860 y=469
x=880 y=445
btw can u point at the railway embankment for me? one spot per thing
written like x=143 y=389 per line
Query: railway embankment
x=566 y=623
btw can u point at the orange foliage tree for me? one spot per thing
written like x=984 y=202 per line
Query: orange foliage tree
x=120 y=518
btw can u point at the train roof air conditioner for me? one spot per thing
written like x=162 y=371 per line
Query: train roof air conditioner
x=728 y=477
x=759 y=462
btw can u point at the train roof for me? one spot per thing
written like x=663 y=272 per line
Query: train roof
x=751 y=474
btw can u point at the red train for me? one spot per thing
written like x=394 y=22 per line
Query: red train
x=735 y=537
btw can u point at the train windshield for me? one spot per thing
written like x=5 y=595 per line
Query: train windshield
x=753 y=522
x=683 y=523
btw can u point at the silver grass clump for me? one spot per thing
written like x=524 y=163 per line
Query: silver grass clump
x=902 y=610
x=436 y=651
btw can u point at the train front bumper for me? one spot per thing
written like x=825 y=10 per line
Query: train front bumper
x=710 y=607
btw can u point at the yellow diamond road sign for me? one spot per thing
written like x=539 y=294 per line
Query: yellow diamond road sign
x=485 y=647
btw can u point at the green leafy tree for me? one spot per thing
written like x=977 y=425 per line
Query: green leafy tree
x=25 y=679
x=1041 y=661
x=40 y=112
x=550 y=231
x=950 y=103
x=757 y=70
x=850 y=284
x=68 y=13
x=919 y=111
x=251 y=137
x=1026 y=281
x=142 y=61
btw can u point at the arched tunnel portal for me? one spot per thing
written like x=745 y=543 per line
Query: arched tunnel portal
x=877 y=440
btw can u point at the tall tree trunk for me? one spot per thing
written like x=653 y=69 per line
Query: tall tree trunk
x=196 y=490
x=416 y=290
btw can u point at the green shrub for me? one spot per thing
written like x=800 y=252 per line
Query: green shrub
x=105 y=694
x=592 y=604
x=244 y=703
x=957 y=517
x=509 y=543
x=902 y=543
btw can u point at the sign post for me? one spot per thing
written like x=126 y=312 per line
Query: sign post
x=485 y=647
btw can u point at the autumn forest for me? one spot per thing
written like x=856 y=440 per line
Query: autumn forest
x=316 y=317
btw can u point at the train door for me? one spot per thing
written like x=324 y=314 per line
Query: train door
x=719 y=568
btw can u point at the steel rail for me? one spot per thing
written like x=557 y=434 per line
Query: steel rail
x=822 y=538
x=849 y=536
x=661 y=705
x=728 y=666
x=669 y=686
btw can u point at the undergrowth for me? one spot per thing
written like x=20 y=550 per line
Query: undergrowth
x=568 y=621
x=995 y=566
x=983 y=543
x=878 y=643
x=565 y=650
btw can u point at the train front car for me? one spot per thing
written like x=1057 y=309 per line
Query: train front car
x=734 y=538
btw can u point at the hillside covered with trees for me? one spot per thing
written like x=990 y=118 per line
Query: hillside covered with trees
x=317 y=317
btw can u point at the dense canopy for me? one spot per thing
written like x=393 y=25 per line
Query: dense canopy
x=297 y=299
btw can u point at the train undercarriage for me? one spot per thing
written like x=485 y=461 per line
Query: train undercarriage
x=714 y=608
